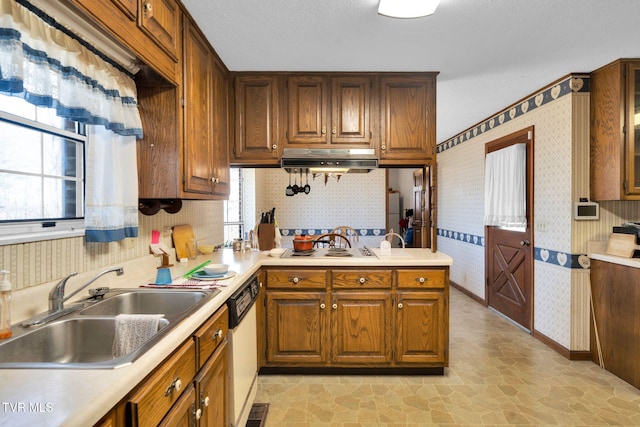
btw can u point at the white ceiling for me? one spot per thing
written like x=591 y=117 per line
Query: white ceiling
x=490 y=53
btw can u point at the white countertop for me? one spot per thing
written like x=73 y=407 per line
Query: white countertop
x=80 y=397
x=597 y=249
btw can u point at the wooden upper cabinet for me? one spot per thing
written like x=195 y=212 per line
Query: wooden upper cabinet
x=220 y=130
x=148 y=28
x=407 y=122
x=308 y=98
x=198 y=91
x=327 y=110
x=257 y=119
x=615 y=131
x=160 y=20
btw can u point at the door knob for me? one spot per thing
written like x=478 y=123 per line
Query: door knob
x=525 y=243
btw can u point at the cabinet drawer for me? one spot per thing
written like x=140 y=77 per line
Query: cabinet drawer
x=211 y=335
x=366 y=279
x=422 y=279
x=297 y=278
x=156 y=395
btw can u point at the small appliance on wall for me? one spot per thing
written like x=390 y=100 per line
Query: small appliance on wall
x=585 y=210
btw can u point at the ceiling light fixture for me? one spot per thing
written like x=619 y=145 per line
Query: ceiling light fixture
x=407 y=8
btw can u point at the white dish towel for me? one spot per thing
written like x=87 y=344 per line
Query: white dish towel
x=132 y=330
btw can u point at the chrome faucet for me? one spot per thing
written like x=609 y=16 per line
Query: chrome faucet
x=57 y=297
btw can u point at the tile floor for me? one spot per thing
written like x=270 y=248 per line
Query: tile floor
x=498 y=375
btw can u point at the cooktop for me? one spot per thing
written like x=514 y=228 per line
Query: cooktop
x=330 y=252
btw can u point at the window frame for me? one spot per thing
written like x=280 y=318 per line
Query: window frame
x=34 y=230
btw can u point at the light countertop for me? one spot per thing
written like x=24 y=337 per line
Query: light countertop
x=597 y=249
x=80 y=397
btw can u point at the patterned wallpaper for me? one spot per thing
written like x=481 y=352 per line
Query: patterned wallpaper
x=560 y=115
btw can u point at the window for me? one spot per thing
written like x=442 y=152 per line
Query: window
x=233 y=218
x=41 y=173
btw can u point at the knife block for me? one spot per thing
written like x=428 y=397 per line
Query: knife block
x=266 y=236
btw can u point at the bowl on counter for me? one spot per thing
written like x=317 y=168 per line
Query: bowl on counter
x=216 y=269
x=277 y=252
x=206 y=248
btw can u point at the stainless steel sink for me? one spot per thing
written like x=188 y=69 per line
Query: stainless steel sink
x=169 y=303
x=84 y=339
x=75 y=342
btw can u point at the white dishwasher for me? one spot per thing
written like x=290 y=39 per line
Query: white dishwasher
x=243 y=352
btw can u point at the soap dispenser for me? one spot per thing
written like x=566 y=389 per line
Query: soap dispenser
x=5 y=305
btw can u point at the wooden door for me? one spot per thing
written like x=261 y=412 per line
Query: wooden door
x=256 y=118
x=350 y=105
x=297 y=328
x=211 y=390
x=220 y=131
x=160 y=20
x=308 y=111
x=197 y=107
x=509 y=253
x=407 y=107
x=421 y=327
x=360 y=327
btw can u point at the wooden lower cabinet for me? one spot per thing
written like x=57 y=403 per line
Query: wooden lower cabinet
x=296 y=327
x=362 y=318
x=188 y=389
x=360 y=327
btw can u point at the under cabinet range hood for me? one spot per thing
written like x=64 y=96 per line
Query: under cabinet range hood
x=329 y=160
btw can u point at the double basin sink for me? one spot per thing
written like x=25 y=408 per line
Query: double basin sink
x=83 y=339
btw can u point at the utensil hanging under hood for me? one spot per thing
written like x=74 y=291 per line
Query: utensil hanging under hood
x=289 y=190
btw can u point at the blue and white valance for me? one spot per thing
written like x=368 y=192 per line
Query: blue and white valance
x=49 y=68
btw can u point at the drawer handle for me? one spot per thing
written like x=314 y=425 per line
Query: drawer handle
x=175 y=385
x=362 y=280
x=216 y=335
x=295 y=280
x=421 y=280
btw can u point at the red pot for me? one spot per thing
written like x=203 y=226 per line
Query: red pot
x=302 y=243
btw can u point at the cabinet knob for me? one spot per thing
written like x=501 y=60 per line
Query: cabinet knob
x=274 y=147
x=175 y=385
x=198 y=414
x=334 y=306
x=322 y=306
x=295 y=280
x=216 y=335
x=324 y=131
x=421 y=279
x=400 y=305
x=148 y=7
x=362 y=280
x=383 y=147
x=205 y=401
x=334 y=130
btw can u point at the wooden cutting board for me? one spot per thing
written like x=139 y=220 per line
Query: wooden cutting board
x=622 y=245
x=181 y=236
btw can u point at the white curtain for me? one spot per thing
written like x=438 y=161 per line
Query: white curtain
x=45 y=64
x=111 y=199
x=505 y=187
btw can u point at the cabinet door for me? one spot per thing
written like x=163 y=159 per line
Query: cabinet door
x=350 y=106
x=296 y=328
x=633 y=128
x=160 y=20
x=308 y=110
x=220 y=130
x=197 y=107
x=256 y=126
x=407 y=107
x=129 y=7
x=421 y=328
x=183 y=413
x=211 y=389
x=360 y=325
